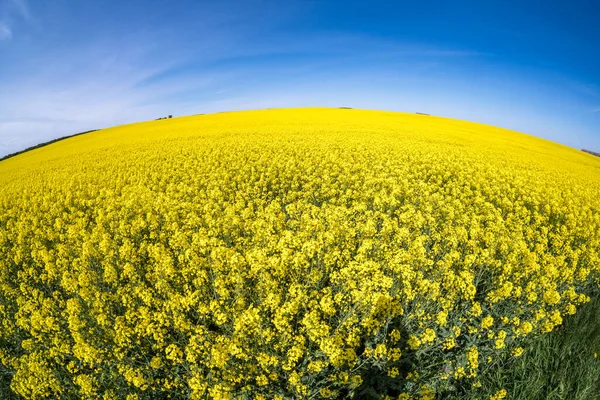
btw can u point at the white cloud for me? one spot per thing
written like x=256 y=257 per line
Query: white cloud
x=112 y=78
x=92 y=88
x=5 y=32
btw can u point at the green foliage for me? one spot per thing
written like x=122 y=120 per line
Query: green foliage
x=559 y=365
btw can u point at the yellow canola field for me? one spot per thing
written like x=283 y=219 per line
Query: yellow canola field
x=299 y=253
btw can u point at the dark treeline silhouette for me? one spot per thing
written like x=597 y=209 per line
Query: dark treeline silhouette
x=591 y=152
x=44 y=144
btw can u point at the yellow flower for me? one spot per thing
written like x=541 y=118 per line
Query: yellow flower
x=476 y=309
x=380 y=351
x=487 y=322
x=262 y=380
x=552 y=297
x=428 y=336
x=222 y=252
x=499 y=395
x=499 y=343
x=156 y=362
x=327 y=393
x=442 y=318
x=394 y=335
x=525 y=327
x=518 y=352
x=456 y=330
x=459 y=372
x=473 y=357
x=414 y=342
x=449 y=343
x=394 y=354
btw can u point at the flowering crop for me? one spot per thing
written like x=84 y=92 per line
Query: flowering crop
x=305 y=253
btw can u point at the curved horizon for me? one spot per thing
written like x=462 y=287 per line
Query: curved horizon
x=424 y=115
x=70 y=67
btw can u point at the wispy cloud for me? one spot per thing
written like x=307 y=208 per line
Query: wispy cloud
x=5 y=31
x=11 y=11
x=87 y=65
x=588 y=89
x=22 y=8
x=107 y=81
x=103 y=80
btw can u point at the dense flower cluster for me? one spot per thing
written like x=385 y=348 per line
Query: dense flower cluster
x=310 y=253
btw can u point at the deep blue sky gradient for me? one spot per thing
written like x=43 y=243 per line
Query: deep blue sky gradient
x=68 y=66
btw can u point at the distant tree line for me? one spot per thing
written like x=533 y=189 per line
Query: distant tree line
x=170 y=116
x=44 y=144
x=591 y=152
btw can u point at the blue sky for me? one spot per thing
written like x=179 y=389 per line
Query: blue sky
x=68 y=66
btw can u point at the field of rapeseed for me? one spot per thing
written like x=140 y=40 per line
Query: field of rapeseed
x=305 y=253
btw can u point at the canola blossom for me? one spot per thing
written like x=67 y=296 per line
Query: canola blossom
x=294 y=253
